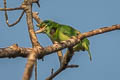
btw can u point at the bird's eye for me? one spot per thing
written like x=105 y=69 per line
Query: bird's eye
x=53 y=30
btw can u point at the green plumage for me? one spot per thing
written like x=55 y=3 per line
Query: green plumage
x=59 y=32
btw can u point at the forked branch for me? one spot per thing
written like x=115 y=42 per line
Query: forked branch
x=66 y=59
x=35 y=44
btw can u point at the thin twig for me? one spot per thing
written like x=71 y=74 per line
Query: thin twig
x=59 y=54
x=56 y=73
x=11 y=9
x=36 y=70
x=17 y=21
x=37 y=1
x=52 y=70
x=66 y=59
x=6 y=16
x=72 y=66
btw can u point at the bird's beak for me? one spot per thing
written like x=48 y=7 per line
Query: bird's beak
x=40 y=30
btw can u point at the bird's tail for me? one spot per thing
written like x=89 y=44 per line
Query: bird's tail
x=89 y=54
x=85 y=44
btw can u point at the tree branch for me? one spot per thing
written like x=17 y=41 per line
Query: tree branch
x=32 y=59
x=29 y=66
x=6 y=16
x=24 y=52
x=36 y=17
x=28 y=10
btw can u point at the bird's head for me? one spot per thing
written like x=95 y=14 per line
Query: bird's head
x=47 y=26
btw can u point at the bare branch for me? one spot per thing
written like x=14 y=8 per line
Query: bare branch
x=37 y=1
x=28 y=10
x=72 y=42
x=27 y=6
x=52 y=71
x=17 y=21
x=14 y=51
x=60 y=56
x=67 y=57
x=29 y=66
x=23 y=52
x=35 y=44
x=72 y=66
x=11 y=9
x=6 y=16
x=36 y=70
x=56 y=73
x=36 y=17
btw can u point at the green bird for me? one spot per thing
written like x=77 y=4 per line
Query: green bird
x=59 y=32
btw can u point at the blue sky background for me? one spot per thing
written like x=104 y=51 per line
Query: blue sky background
x=84 y=15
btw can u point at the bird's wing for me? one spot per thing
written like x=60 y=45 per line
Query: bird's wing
x=68 y=30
